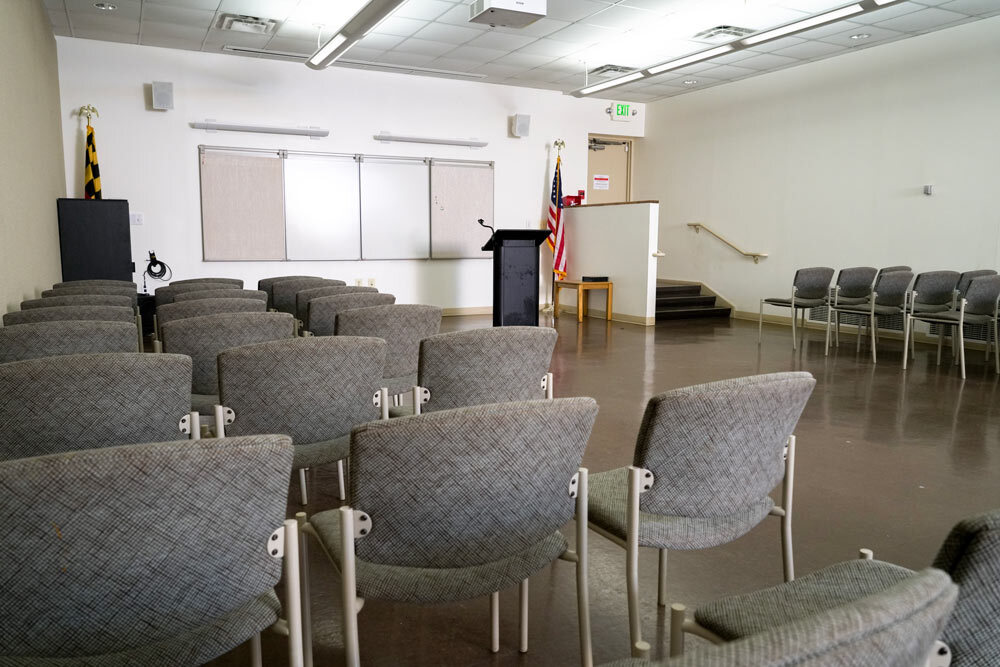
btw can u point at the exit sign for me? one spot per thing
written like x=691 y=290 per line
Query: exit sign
x=622 y=111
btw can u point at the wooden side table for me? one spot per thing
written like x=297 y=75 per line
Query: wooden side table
x=581 y=288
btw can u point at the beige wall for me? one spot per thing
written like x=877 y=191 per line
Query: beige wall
x=32 y=171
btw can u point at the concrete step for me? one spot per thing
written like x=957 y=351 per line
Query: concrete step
x=691 y=312
x=677 y=290
x=684 y=301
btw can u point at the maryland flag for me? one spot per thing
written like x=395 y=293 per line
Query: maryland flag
x=91 y=172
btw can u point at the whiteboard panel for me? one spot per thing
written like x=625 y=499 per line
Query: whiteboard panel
x=322 y=207
x=460 y=195
x=395 y=209
x=242 y=206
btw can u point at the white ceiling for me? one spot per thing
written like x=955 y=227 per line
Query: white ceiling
x=553 y=53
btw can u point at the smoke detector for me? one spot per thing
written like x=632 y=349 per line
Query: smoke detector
x=723 y=33
x=250 y=24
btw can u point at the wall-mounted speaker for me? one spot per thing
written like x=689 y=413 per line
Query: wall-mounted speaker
x=163 y=95
x=520 y=124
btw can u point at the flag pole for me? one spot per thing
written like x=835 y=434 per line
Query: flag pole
x=550 y=308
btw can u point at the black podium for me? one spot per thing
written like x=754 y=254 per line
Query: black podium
x=515 y=275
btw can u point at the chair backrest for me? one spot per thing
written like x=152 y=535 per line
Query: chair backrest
x=967 y=277
x=323 y=311
x=812 y=282
x=120 y=548
x=50 y=339
x=981 y=297
x=97 y=313
x=893 y=628
x=78 y=300
x=83 y=401
x=480 y=366
x=313 y=389
x=96 y=282
x=716 y=448
x=166 y=294
x=203 y=338
x=500 y=473
x=935 y=288
x=283 y=292
x=180 y=310
x=892 y=269
x=971 y=555
x=222 y=294
x=189 y=281
x=890 y=287
x=113 y=290
x=856 y=281
x=303 y=297
x=267 y=285
x=402 y=327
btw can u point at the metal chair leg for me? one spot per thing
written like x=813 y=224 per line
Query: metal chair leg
x=873 y=327
x=760 y=322
x=677 y=617
x=522 y=594
x=661 y=579
x=961 y=348
x=302 y=486
x=640 y=649
x=495 y=622
x=906 y=338
x=255 y=654
x=340 y=479
x=829 y=316
x=307 y=654
x=795 y=316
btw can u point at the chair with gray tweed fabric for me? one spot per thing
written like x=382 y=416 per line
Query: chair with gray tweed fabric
x=84 y=401
x=932 y=292
x=49 y=339
x=810 y=288
x=203 y=338
x=313 y=389
x=965 y=279
x=164 y=295
x=94 y=313
x=895 y=627
x=322 y=315
x=267 y=285
x=888 y=298
x=892 y=269
x=95 y=282
x=706 y=459
x=303 y=297
x=94 y=289
x=492 y=521
x=970 y=555
x=222 y=294
x=180 y=310
x=854 y=286
x=190 y=281
x=402 y=327
x=78 y=300
x=981 y=305
x=137 y=557
x=478 y=366
x=283 y=292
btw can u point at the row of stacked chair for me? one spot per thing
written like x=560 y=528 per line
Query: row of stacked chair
x=948 y=299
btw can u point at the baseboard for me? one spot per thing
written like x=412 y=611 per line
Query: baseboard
x=615 y=317
x=475 y=310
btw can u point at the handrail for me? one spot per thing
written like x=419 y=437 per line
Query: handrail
x=697 y=226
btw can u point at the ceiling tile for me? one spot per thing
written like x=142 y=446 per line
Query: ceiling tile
x=293 y=45
x=127 y=9
x=361 y=53
x=380 y=42
x=767 y=61
x=776 y=45
x=734 y=57
x=812 y=6
x=178 y=15
x=270 y=9
x=475 y=53
x=92 y=23
x=573 y=10
x=725 y=73
x=397 y=25
x=925 y=19
x=809 y=50
x=454 y=64
x=162 y=29
x=660 y=89
x=973 y=7
x=500 y=40
x=459 y=15
x=218 y=38
x=208 y=5
x=398 y=58
x=523 y=60
x=834 y=28
x=539 y=28
x=890 y=12
x=876 y=35
x=540 y=74
x=620 y=17
x=699 y=81
x=55 y=5
x=581 y=33
x=551 y=48
x=659 y=7
x=498 y=70
x=442 y=32
x=424 y=47
x=58 y=18
x=423 y=9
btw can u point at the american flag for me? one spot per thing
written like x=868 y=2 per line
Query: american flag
x=556 y=241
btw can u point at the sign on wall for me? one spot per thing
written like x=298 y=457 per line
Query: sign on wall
x=622 y=111
x=602 y=182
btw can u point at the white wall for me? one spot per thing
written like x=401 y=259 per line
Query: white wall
x=31 y=171
x=151 y=159
x=824 y=164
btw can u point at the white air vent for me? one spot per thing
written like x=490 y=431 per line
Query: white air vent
x=252 y=24
x=721 y=34
x=609 y=71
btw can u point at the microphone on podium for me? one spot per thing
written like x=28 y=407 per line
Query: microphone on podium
x=483 y=224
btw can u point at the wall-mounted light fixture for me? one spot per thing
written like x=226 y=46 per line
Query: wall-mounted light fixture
x=471 y=143
x=311 y=132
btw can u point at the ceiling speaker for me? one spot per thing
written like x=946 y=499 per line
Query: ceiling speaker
x=520 y=124
x=163 y=95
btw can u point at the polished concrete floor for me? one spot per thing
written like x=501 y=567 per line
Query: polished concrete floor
x=887 y=459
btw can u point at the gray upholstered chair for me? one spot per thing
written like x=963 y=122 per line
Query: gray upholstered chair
x=970 y=555
x=888 y=298
x=478 y=366
x=892 y=269
x=854 y=286
x=895 y=627
x=163 y=553
x=267 y=285
x=60 y=404
x=222 y=294
x=179 y=310
x=283 y=292
x=981 y=305
x=313 y=389
x=965 y=279
x=402 y=327
x=232 y=281
x=706 y=459
x=95 y=313
x=932 y=292
x=112 y=290
x=491 y=522
x=96 y=282
x=322 y=317
x=203 y=338
x=810 y=288
x=78 y=300
x=19 y=342
x=303 y=297
x=164 y=295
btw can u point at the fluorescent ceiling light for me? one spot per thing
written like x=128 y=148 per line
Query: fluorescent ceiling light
x=885 y=2
x=810 y=22
x=350 y=33
x=328 y=48
x=688 y=60
x=612 y=83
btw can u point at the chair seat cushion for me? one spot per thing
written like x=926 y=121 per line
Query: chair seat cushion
x=433 y=585
x=799 y=303
x=952 y=317
x=931 y=307
x=318 y=453
x=745 y=615
x=865 y=309
x=850 y=300
x=195 y=647
x=204 y=404
x=608 y=507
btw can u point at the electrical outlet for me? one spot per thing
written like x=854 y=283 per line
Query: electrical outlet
x=135 y=218
x=371 y=282
x=357 y=282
